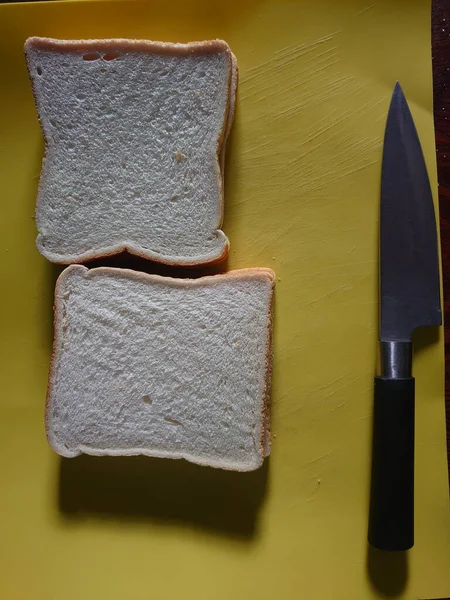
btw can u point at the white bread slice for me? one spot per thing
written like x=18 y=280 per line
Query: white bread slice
x=135 y=134
x=176 y=368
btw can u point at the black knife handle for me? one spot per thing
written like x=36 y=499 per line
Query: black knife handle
x=391 y=519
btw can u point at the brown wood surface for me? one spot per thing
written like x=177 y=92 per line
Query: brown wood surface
x=441 y=90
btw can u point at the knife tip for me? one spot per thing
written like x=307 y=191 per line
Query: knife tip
x=398 y=100
x=397 y=90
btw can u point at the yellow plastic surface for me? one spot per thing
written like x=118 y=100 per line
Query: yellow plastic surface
x=302 y=191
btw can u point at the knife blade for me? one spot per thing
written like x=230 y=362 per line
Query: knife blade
x=409 y=298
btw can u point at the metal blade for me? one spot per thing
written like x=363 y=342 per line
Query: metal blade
x=409 y=265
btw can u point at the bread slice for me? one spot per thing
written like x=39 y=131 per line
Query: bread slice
x=176 y=368
x=135 y=133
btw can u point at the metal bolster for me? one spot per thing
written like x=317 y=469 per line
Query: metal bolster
x=396 y=360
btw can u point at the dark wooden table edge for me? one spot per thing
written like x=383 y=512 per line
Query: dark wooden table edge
x=440 y=28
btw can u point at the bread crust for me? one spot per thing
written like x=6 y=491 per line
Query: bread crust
x=130 y=45
x=138 y=251
x=266 y=429
x=58 y=318
x=232 y=98
x=154 y=47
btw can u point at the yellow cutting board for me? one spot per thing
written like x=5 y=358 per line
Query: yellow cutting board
x=302 y=191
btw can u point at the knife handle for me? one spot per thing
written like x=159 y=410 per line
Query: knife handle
x=391 y=519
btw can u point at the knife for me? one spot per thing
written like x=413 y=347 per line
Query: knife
x=409 y=298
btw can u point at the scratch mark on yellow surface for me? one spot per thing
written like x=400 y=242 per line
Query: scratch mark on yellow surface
x=341 y=405
x=363 y=418
x=327 y=295
x=286 y=55
x=358 y=302
x=315 y=460
x=343 y=387
x=287 y=393
x=360 y=12
x=296 y=82
x=280 y=234
x=254 y=149
x=329 y=383
x=314 y=97
x=298 y=62
x=317 y=485
x=294 y=69
x=312 y=396
x=344 y=266
x=289 y=348
x=344 y=165
x=293 y=349
x=332 y=122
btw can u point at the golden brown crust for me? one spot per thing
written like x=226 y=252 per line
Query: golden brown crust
x=140 y=252
x=234 y=79
x=33 y=89
x=221 y=142
x=50 y=378
x=129 y=45
x=53 y=358
x=266 y=429
x=171 y=281
x=148 y=46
